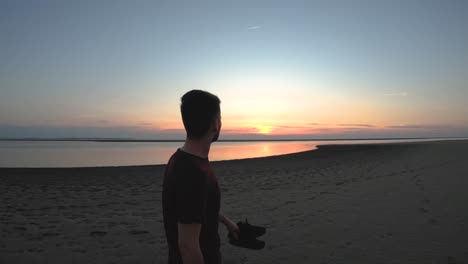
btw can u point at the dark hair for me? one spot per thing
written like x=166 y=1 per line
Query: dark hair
x=199 y=109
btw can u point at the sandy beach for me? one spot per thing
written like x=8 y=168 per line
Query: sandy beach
x=389 y=203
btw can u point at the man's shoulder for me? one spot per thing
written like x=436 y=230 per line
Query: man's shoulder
x=182 y=166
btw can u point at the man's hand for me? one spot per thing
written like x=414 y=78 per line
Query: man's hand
x=230 y=225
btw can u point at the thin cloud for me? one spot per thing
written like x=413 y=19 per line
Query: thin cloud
x=88 y=118
x=172 y=130
x=418 y=126
x=353 y=128
x=356 y=125
x=244 y=130
x=280 y=126
x=397 y=94
x=316 y=124
x=254 y=27
x=144 y=124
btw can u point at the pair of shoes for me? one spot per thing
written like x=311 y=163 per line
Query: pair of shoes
x=250 y=230
x=248 y=236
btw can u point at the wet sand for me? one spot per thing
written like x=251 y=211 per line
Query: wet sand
x=390 y=203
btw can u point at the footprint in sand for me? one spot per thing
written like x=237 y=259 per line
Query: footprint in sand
x=50 y=234
x=97 y=233
x=451 y=260
x=387 y=234
x=424 y=210
x=79 y=250
x=35 y=250
x=138 y=232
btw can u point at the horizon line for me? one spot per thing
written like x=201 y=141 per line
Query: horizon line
x=220 y=140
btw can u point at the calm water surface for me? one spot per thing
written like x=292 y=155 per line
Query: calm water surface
x=88 y=153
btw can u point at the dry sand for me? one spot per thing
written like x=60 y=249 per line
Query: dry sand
x=392 y=203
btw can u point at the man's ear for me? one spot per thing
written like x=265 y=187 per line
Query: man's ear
x=214 y=125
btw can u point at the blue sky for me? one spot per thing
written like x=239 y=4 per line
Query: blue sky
x=118 y=68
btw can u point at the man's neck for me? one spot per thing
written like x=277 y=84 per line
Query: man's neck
x=199 y=148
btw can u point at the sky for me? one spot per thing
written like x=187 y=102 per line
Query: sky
x=282 y=69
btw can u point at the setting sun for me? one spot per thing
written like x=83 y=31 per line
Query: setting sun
x=264 y=129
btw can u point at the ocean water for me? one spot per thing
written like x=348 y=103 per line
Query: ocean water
x=90 y=153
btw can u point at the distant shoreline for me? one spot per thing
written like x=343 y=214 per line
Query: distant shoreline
x=334 y=148
x=319 y=148
x=221 y=140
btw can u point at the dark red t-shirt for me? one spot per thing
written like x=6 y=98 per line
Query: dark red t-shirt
x=191 y=195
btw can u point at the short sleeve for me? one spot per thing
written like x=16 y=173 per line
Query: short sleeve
x=190 y=196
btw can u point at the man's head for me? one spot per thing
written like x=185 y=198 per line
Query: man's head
x=201 y=114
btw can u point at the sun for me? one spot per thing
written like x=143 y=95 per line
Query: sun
x=264 y=129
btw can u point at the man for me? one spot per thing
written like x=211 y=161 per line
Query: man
x=191 y=195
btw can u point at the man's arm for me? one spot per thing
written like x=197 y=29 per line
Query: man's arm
x=221 y=218
x=189 y=244
x=231 y=226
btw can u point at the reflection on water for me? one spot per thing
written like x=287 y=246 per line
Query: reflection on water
x=228 y=150
x=83 y=154
x=87 y=153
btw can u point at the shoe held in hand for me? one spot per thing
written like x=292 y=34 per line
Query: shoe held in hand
x=248 y=236
x=251 y=243
x=249 y=230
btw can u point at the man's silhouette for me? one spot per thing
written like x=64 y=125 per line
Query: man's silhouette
x=191 y=195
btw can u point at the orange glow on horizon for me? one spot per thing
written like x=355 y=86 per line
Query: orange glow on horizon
x=266 y=126
x=264 y=129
